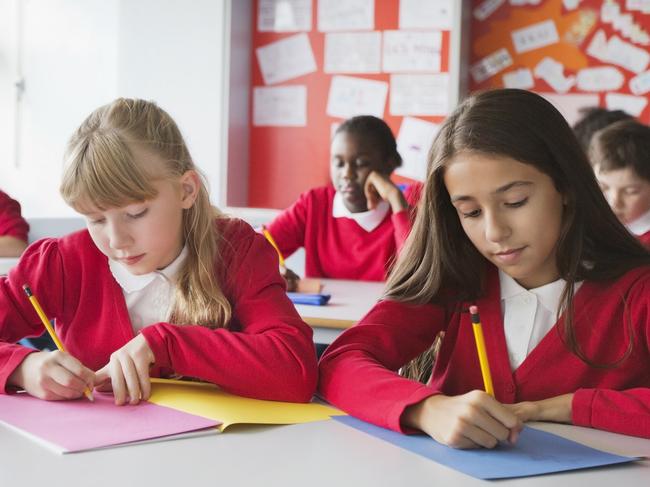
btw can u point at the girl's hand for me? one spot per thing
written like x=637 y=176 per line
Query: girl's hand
x=379 y=187
x=53 y=376
x=127 y=372
x=472 y=420
x=556 y=409
x=291 y=278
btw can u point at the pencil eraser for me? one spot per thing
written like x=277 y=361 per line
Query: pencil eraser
x=473 y=309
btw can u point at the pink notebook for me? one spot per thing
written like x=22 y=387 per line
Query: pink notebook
x=73 y=426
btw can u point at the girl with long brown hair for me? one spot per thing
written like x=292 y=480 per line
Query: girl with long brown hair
x=160 y=283
x=511 y=220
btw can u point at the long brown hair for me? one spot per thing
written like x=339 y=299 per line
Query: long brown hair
x=439 y=257
x=101 y=170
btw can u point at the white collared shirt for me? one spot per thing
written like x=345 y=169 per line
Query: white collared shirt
x=368 y=220
x=149 y=297
x=528 y=314
x=641 y=225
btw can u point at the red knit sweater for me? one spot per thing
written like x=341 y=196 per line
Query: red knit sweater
x=645 y=239
x=11 y=222
x=267 y=352
x=358 y=371
x=338 y=247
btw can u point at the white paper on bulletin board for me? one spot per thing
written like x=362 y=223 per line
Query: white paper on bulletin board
x=352 y=52
x=426 y=14
x=417 y=51
x=280 y=106
x=286 y=59
x=350 y=96
x=570 y=105
x=338 y=15
x=413 y=143
x=284 y=15
x=419 y=94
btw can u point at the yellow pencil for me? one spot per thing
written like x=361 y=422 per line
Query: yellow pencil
x=41 y=314
x=482 y=352
x=269 y=237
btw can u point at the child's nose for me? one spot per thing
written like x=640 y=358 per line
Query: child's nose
x=496 y=229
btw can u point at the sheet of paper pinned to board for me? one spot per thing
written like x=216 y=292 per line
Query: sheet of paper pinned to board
x=490 y=65
x=426 y=14
x=284 y=15
x=208 y=401
x=419 y=94
x=534 y=36
x=552 y=71
x=569 y=105
x=486 y=8
x=600 y=78
x=634 y=105
x=640 y=84
x=350 y=96
x=412 y=51
x=350 y=15
x=413 y=143
x=352 y=52
x=286 y=59
x=619 y=52
x=280 y=106
x=521 y=78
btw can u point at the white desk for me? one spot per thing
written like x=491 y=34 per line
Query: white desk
x=310 y=455
x=7 y=263
x=350 y=301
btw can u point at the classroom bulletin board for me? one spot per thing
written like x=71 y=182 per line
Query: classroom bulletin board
x=577 y=53
x=317 y=62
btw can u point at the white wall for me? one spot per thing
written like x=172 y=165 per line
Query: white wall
x=79 y=54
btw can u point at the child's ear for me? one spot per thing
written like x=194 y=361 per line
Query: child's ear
x=190 y=184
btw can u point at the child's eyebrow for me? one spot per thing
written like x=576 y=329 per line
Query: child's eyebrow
x=500 y=189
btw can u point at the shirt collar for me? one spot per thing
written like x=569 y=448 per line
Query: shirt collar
x=368 y=220
x=641 y=225
x=132 y=283
x=549 y=294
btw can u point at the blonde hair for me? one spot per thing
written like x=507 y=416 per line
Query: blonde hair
x=101 y=170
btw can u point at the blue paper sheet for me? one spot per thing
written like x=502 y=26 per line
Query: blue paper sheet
x=312 y=299
x=536 y=452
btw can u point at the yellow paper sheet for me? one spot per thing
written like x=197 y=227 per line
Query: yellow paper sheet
x=210 y=402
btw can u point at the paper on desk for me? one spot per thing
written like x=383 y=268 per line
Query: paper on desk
x=335 y=15
x=412 y=51
x=535 y=36
x=280 y=106
x=634 y=105
x=425 y=14
x=284 y=15
x=208 y=401
x=352 y=52
x=350 y=96
x=419 y=94
x=74 y=426
x=413 y=143
x=536 y=453
x=286 y=59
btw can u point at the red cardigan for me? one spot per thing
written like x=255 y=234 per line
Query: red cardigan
x=338 y=247
x=358 y=371
x=11 y=222
x=267 y=352
x=645 y=239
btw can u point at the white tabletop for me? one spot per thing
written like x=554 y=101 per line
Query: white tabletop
x=314 y=454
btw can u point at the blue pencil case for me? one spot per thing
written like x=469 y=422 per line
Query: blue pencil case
x=312 y=299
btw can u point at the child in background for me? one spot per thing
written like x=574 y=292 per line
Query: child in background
x=511 y=220
x=13 y=227
x=620 y=156
x=594 y=119
x=353 y=228
x=158 y=285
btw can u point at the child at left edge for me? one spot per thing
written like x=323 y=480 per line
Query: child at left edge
x=159 y=284
x=13 y=227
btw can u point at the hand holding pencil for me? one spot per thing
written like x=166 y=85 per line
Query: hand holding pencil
x=52 y=375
